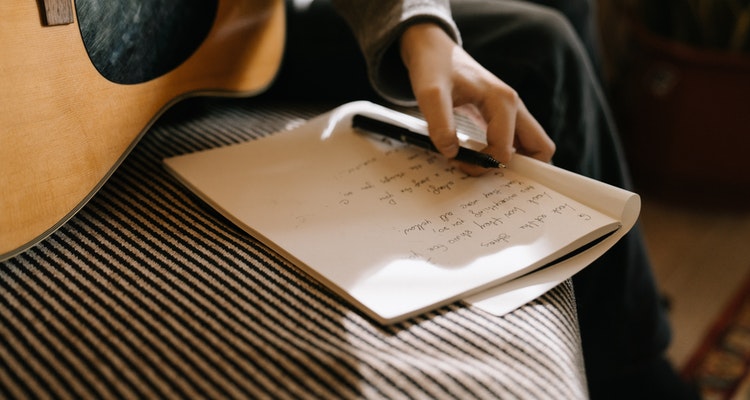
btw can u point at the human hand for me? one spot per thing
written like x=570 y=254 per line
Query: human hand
x=444 y=77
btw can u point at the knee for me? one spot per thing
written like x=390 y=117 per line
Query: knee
x=515 y=31
x=550 y=32
x=579 y=12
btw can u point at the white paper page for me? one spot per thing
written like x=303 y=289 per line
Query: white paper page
x=615 y=202
x=395 y=229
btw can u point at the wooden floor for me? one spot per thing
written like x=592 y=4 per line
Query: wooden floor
x=701 y=254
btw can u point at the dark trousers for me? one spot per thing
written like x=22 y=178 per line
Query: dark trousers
x=546 y=55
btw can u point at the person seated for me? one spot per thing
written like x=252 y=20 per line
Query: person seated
x=523 y=72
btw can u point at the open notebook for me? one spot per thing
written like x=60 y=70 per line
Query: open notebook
x=398 y=230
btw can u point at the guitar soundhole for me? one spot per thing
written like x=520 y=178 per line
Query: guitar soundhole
x=134 y=41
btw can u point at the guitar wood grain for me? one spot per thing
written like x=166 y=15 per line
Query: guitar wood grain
x=65 y=128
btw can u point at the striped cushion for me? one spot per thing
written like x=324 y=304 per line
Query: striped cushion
x=148 y=293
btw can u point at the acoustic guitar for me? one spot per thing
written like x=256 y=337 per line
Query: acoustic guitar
x=81 y=82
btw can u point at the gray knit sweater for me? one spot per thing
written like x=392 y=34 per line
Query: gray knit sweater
x=377 y=24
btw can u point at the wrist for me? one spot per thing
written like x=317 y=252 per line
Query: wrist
x=419 y=36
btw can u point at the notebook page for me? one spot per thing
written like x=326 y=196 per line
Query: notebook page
x=396 y=229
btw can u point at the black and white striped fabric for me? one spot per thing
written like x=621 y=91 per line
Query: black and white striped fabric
x=148 y=293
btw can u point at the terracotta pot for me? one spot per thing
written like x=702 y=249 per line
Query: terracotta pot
x=686 y=118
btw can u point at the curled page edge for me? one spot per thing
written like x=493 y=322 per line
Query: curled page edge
x=615 y=202
x=618 y=203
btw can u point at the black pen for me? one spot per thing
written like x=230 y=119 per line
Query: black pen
x=404 y=135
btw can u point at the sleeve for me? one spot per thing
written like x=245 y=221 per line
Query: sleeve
x=377 y=25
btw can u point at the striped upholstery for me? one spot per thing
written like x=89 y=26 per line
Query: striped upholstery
x=148 y=293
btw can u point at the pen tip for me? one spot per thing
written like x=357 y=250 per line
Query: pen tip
x=494 y=163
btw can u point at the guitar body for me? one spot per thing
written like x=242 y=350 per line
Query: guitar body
x=74 y=101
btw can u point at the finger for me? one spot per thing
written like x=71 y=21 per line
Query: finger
x=500 y=129
x=500 y=111
x=532 y=140
x=436 y=105
x=430 y=72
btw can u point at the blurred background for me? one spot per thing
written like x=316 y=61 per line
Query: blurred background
x=678 y=76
